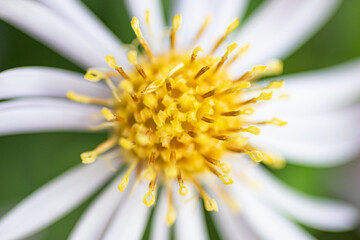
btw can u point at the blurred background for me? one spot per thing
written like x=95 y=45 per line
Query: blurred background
x=30 y=160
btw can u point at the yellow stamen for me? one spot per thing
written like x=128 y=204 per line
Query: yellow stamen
x=176 y=25
x=89 y=157
x=202 y=29
x=88 y=100
x=229 y=30
x=125 y=181
x=136 y=27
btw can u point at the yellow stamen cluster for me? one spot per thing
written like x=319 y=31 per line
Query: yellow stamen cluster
x=179 y=113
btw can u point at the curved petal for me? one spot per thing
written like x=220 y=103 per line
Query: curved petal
x=47 y=82
x=93 y=223
x=318 y=91
x=87 y=23
x=160 y=230
x=130 y=219
x=190 y=222
x=37 y=115
x=54 y=200
x=279 y=27
x=265 y=222
x=315 y=212
x=155 y=34
x=43 y=24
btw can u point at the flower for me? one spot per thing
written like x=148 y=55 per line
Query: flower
x=70 y=29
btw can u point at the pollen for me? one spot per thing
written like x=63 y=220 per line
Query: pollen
x=179 y=113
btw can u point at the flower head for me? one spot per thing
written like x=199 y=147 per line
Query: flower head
x=179 y=112
x=184 y=111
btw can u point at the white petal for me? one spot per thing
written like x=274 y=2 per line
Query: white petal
x=42 y=23
x=230 y=226
x=37 y=115
x=137 y=8
x=160 y=229
x=315 y=212
x=223 y=13
x=130 y=218
x=279 y=27
x=54 y=200
x=318 y=91
x=266 y=223
x=93 y=223
x=47 y=82
x=87 y=23
x=190 y=222
x=309 y=154
x=332 y=127
x=194 y=13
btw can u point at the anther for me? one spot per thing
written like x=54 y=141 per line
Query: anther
x=208 y=120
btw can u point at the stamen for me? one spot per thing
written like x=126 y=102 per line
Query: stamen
x=252 y=129
x=183 y=190
x=90 y=156
x=264 y=96
x=112 y=63
x=94 y=75
x=149 y=197
x=210 y=204
x=110 y=116
x=88 y=100
x=195 y=53
x=229 y=30
x=274 y=121
x=125 y=181
x=229 y=49
x=136 y=27
x=242 y=50
x=171 y=213
x=176 y=25
x=253 y=75
x=202 y=71
x=202 y=29
x=132 y=57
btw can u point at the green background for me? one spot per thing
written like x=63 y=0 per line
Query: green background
x=30 y=160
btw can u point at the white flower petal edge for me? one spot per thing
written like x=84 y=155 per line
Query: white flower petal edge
x=315 y=212
x=47 y=82
x=96 y=218
x=268 y=224
x=190 y=222
x=41 y=23
x=87 y=23
x=130 y=218
x=317 y=91
x=138 y=8
x=54 y=200
x=279 y=27
x=160 y=230
x=45 y=114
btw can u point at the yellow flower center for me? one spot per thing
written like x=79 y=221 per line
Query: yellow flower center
x=177 y=114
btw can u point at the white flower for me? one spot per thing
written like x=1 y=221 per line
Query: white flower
x=323 y=132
